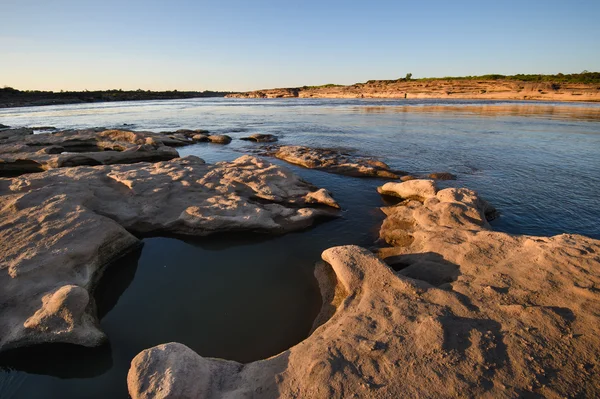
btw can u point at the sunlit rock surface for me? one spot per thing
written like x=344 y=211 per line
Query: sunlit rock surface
x=465 y=311
x=59 y=228
x=21 y=151
x=335 y=161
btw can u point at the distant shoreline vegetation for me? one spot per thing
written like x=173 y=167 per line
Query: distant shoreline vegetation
x=10 y=97
x=584 y=77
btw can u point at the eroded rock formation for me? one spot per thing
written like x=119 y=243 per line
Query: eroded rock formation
x=21 y=151
x=439 y=88
x=59 y=228
x=468 y=312
x=335 y=161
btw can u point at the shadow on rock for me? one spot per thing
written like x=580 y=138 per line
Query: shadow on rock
x=116 y=279
x=59 y=360
x=429 y=266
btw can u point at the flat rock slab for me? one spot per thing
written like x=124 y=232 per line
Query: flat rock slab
x=470 y=312
x=21 y=151
x=335 y=161
x=60 y=228
x=18 y=133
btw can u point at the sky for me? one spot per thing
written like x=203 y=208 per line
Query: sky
x=235 y=45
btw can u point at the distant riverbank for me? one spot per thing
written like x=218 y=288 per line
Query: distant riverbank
x=576 y=87
x=10 y=97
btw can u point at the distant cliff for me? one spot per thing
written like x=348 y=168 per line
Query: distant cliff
x=576 y=87
x=10 y=97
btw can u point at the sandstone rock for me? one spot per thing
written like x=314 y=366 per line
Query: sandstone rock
x=410 y=189
x=200 y=138
x=261 y=138
x=51 y=250
x=513 y=316
x=177 y=361
x=17 y=132
x=442 y=176
x=532 y=288
x=450 y=208
x=220 y=139
x=335 y=161
x=60 y=228
x=21 y=150
x=63 y=314
x=321 y=196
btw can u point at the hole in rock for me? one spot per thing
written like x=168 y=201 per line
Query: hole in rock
x=428 y=266
x=227 y=296
x=238 y=299
x=19 y=167
x=390 y=200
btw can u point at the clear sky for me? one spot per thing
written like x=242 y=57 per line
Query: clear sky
x=252 y=44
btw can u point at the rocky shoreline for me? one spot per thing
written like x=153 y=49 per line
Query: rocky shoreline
x=448 y=308
x=440 y=89
x=440 y=306
x=59 y=228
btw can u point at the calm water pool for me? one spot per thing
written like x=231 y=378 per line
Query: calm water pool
x=246 y=298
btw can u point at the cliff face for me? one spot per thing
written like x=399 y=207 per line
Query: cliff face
x=441 y=89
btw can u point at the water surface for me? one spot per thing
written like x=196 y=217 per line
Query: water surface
x=248 y=297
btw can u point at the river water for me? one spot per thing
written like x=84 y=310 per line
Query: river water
x=249 y=297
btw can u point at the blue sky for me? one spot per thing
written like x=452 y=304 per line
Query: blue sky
x=244 y=45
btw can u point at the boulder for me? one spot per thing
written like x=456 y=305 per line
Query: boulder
x=261 y=138
x=415 y=189
x=200 y=138
x=60 y=228
x=180 y=363
x=220 y=139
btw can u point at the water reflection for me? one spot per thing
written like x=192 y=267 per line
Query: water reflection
x=247 y=297
x=575 y=112
x=59 y=360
